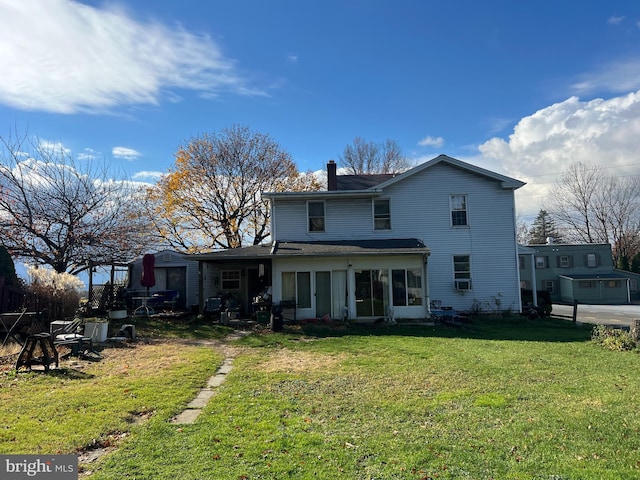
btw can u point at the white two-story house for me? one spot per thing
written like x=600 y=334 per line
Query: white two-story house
x=376 y=246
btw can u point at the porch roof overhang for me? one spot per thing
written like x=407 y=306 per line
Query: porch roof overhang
x=337 y=248
x=343 y=248
x=254 y=252
x=595 y=276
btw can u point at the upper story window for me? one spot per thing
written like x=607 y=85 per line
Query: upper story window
x=381 y=214
x=541 y=262
x=315 y=211
x=592 y=260
x=564 y=261
x=459 y=217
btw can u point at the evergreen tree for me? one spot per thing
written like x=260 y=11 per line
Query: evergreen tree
x=544 y=227
x=7 y=267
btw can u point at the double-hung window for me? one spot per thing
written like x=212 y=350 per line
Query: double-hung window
x=231 y=279
x=462 y=272
x=541 y=262
x=459 y=214
x=381 y=214
x=315 y=211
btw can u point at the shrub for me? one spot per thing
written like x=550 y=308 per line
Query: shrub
x=612 y=338
x=59 y=293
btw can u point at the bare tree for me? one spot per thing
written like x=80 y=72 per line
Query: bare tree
x=362 y=157
x=596 y=208
x=58 y=212
x=522 y=231
x=212 y=198
x=573 y=202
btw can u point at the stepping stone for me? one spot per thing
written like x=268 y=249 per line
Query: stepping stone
x=187 y=417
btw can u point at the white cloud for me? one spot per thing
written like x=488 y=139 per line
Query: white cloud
x=66 y=57
x=88 y=154
x=619 y=76
x=125 y=153
x=54 y=148
x=148 y=176
x=430 y=141
x=543 y=145
x=615 y=20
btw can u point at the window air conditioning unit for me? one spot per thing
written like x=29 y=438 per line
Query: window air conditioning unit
x=463 y=284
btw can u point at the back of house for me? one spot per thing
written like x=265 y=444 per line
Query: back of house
x=389 y=245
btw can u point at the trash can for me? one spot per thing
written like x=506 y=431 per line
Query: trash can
x=277 y=319
x=263 y=316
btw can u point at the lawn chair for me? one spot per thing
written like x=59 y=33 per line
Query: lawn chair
x=68 y=336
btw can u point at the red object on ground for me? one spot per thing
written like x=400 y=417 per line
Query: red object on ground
x=148 y=270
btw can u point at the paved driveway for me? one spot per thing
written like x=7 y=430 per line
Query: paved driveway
x=614 y=315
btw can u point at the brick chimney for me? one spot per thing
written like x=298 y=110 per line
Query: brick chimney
x=332 y=178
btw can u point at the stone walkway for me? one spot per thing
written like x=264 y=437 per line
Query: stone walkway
x=194 y=408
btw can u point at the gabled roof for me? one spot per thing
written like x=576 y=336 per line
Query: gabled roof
x=507 y=182
x=373 y=185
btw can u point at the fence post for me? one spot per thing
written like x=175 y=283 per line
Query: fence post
x=575 y=310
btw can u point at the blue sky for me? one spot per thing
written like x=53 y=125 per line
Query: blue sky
x=521 y=88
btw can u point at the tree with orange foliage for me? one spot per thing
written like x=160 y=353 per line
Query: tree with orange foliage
x=212 y=198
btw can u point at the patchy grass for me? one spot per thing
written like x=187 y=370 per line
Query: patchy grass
x=515 y=400
x=84 y=404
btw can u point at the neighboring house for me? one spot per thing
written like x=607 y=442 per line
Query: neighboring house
x=375 y=246
x=582 y=273
x=173 y=271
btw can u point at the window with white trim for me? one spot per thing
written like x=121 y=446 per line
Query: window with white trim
x=549 y=285
x=565 y=261
x=462 y=272
x=230 y=279
x=381 y=214
x=458 y=204
x=592 y=260
x=315 y=212
x=541 y=262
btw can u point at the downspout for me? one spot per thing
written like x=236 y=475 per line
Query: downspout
x=200 y=287
x=425 y=274
x=534 y=281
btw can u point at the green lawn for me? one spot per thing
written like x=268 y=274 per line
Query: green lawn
x=501 y=400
